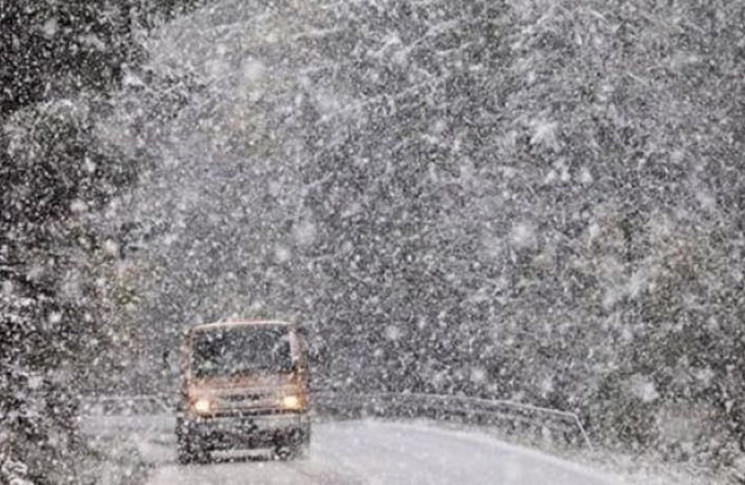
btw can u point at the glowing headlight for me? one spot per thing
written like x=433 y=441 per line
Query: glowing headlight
x=292 y=402
x=202 y=405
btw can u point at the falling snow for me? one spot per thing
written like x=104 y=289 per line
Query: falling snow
x=529 y=202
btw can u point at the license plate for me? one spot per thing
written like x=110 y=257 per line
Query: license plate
x=248 y=425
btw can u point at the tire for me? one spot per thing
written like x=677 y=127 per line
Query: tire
x=282 y=453
x=294 y=450
x=184 y=452
x=188 y=451
x=185 y=456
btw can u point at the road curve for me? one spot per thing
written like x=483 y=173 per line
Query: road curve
x=377 y=452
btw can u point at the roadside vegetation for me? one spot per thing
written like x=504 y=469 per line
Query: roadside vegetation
x=59 y=64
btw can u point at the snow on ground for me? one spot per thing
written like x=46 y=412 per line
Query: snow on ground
x=375 y=452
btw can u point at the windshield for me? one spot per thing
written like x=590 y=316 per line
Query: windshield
x=236 y=351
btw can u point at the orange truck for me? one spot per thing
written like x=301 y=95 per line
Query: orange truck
x=244 y=385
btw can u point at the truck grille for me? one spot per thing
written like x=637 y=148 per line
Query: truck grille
x=240 y=403
x=244 y=397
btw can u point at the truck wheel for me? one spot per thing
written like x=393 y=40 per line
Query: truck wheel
x=187 y=450
x=295 y=450
x=302 y=450
x=282 y=453
x=185 y=454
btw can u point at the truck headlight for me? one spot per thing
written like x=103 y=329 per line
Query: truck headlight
x=202 y=405
x=292 y=402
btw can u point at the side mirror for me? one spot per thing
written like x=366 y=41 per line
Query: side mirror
x=300 y=372
x=317 y=352
x=170 y=364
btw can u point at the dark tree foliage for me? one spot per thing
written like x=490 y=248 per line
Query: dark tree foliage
x=58 y=62
x=49 y=49
x=50 y=46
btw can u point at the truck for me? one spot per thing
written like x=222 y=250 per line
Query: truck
x=243 y=386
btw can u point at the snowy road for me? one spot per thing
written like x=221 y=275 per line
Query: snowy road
x=374 y=452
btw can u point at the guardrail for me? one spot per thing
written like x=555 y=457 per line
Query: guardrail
x=115 y=416
x=511 y=415
x=123 y=405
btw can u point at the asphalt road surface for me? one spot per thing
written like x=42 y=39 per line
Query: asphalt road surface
x=377 y=452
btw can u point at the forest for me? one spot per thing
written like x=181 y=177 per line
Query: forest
x=529 y=200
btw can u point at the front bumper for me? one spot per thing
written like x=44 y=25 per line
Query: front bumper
x=228 y=432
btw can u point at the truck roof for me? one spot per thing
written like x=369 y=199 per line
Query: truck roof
x=238 y=323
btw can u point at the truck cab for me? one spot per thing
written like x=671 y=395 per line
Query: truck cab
x=244 y=385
